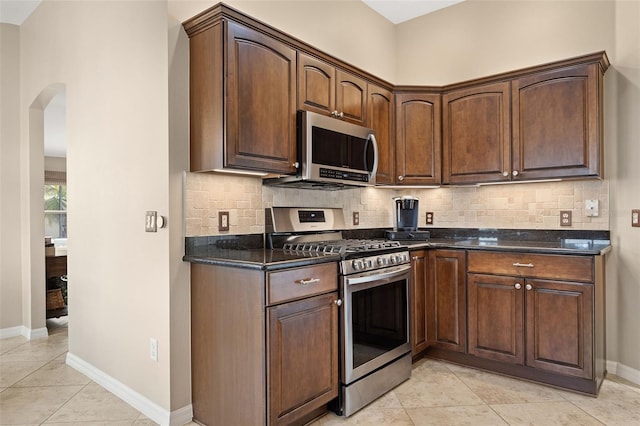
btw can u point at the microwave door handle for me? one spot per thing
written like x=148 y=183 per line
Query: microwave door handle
x=372 y=139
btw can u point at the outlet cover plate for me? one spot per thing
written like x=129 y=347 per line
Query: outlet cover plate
x=223 y=221
x=635 y=218
x=356 y=218
x=565 y=217
x=429 y=218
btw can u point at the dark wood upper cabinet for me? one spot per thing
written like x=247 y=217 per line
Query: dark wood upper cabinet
x=380 y=118
x=325 y=89
x=418 y=138
x=476 y=134
x=316 y=85
x=557 y=123
x=351 y=97
x=242 y=100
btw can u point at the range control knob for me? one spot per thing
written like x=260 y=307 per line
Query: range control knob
x=368 y=263
x=382 y=261
x=393 y=259
x=357 y=265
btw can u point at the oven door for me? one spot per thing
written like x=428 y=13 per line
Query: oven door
x=375 y=324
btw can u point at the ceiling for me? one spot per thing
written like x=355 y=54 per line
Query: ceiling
x=396 y=11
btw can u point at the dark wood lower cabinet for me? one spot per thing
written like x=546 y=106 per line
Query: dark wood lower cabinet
x=559 y=327
x=303 y=357
x=535 y=316
x=446 y=300
x=419 y=279
x=258 y=356
x=495 y=314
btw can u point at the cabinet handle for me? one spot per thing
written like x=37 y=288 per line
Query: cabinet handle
x=505 y=173
x=338 y=302
x=306 y=281
x=337 y=114
x=528 y=287
x=515 y=173
x=341 y=115
x=523 y=265
x=400 y=178
x=518 y=286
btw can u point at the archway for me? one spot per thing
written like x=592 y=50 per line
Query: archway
x=32 y=204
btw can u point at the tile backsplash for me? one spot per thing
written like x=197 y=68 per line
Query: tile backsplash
x=513 y=206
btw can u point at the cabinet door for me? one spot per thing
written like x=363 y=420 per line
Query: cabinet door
x=260 y=101
x=418 y=138
x=316 y=85
x=557 y=124
x=419 y=264
x=303 y=357
x=495 y=317
x=446 y=300
x=351 y=97
x=380 y=119
x=559 y=327
x=476 y=134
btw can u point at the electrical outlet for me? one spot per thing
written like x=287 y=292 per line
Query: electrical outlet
x=153 y=349
x=356 y=218
x=151 y=221
x=223 y=221
x=565 y=217
x=429 y=218
x=635 y=217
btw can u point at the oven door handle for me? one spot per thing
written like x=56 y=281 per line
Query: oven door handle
x=379 y=277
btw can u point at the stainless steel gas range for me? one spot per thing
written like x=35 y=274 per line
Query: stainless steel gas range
x=375 y=350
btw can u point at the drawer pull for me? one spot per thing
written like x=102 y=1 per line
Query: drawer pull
x=307 y=281
x=523 y=265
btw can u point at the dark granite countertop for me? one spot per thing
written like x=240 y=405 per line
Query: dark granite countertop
x=256 y=258
x=564 y=246
x=247 y=251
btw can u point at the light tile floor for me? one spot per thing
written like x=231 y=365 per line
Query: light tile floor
x=37 y=387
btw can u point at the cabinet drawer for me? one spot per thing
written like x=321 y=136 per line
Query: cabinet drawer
x=558 y=267
x=301 y=282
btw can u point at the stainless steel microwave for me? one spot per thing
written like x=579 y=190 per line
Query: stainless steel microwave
x=332 y=154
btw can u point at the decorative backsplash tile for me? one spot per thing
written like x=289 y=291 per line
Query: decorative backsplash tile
x=515 y=206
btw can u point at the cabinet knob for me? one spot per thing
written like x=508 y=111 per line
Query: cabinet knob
x=296 y=165
x=515 y=173
x=505 y=173
x=518 y=286
x=400 y=178
x=338 y=302
x=528 y=287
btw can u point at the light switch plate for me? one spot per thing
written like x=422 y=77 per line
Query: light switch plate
x=565 y=217
x=635 y=217
x=151 y=221
x=223 y=221
x=356 y=218
x=591 y=207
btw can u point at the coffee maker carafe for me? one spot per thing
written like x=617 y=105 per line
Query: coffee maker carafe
x=406 y=213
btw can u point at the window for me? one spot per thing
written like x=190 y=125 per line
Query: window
x=55 y=210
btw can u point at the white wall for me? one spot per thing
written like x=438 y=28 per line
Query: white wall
x=113 y=58
x=623 y=155
x=10 y=237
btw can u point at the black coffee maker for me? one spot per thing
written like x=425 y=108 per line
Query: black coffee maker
x=406 y=215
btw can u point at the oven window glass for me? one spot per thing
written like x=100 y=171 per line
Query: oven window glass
x=335 y=149
x=379 y=321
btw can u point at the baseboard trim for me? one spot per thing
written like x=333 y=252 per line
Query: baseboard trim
x=624 y=371
x=139 y=402
x=21 y=330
